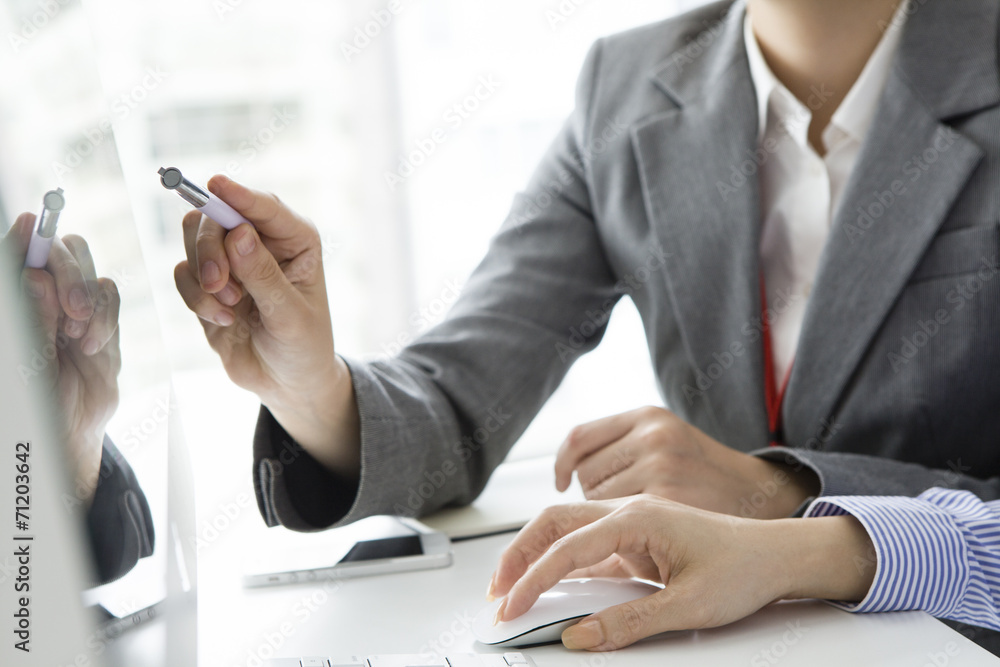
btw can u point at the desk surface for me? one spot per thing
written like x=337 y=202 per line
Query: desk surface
x=431 y=610
x=420 y=611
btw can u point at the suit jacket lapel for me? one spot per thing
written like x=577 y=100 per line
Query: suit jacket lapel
x=910 y=171
x=705 y=213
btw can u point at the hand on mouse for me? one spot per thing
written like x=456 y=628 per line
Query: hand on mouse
x=716 y=568
x=75 y=334
x=651 y=450
x=261 y=295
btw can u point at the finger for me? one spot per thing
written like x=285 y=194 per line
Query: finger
x=626 y=483
x=81 y=253
x=535 y=539
x=40 y=288
x=587 y=438
x=212 y=263
x=190 y=224
x=104 y=323
x=15 y=241
x=625 y=624
x=100 y=372
x=257 y=270
x=612 y=566
x=582 y=548
x=605 y=463
x=201 y=303
x=75 y=328
x=268 y=214
x=71 y=286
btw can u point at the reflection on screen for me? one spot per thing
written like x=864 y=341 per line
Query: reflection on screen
x=57 y=130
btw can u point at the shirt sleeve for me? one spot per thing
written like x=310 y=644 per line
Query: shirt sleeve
x=939 y=553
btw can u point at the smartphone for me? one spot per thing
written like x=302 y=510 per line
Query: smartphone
x=377 y=545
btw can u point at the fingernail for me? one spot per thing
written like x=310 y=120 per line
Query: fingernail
x=78 y=299
x=583 y=635
x=35 y=288
x=489 y=589
x=91 y=347
x=224 y=319
x=500 y=610
x=75 y=328
x=246 y=243
x=209 y=273
x=229 y=295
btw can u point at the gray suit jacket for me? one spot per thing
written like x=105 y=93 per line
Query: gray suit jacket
x=650 y=192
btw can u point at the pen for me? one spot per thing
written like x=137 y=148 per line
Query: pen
x=201 y=199
x=45 y=230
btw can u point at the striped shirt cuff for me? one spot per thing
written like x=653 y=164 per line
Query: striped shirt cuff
x=920 y=556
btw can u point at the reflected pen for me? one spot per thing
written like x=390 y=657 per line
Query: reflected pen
x=201 y=198
x=45 y=230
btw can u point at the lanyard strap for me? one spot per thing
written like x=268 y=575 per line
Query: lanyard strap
x=773 y=396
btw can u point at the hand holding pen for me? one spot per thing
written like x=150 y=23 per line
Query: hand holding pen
x=74 y=326
x=260 y=293
x=58 y=272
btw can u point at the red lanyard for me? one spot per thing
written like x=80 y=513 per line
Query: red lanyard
x=773 y=397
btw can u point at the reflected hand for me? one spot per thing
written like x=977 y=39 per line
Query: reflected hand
x=651 y=450
x=716 y=568
x=75 y=343
x=260 y=293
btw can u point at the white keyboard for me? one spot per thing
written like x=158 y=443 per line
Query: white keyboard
x=415 y=660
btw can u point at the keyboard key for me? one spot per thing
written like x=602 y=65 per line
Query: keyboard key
x=515 y=659
x=466 y=660
x=313 y=662
x=404 y=660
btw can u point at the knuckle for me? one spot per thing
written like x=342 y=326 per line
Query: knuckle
x=109 y=298
x=636 y=506
x=111 y=289
x=575 y=437
x=265 y=271
x=206 y=240
x=650 y=412
x=312 y=231
x=632 y=619
x=76 y=241
x=653 y=436
x=182 y=272
x=555 y=515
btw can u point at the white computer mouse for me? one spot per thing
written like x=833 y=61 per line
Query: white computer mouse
x=557 y=609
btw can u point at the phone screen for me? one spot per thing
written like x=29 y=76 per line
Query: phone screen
x=389 y=547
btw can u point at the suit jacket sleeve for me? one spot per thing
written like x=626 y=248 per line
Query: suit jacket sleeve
x=119 y=521
x=843 y=474
x=438 y=418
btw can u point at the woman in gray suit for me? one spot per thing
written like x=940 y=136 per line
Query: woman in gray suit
x=800 y=198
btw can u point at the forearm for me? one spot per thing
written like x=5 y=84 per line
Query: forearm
x=326 y=426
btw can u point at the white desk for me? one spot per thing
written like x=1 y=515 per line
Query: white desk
x=414 y=612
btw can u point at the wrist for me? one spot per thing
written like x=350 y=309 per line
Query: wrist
x=327 y=425
x=781 y=489
x=826 y=558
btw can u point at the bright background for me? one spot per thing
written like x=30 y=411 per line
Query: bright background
x=265 y=92
x=231 y=71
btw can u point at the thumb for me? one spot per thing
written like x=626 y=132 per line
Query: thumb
x=16 y=241
x=621 y=625
x=260 y=274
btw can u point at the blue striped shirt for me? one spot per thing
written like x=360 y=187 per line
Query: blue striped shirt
x=939 y=552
